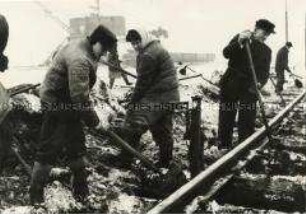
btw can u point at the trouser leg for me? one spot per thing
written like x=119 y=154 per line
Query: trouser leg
x=79 y=179
x=227 y=115
x=111 y=82
x=39 y=179
x=162 y=135
x=246 y=119
x=280 y=81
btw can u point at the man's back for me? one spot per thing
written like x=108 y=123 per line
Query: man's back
x=72 y=61
x=282 y=59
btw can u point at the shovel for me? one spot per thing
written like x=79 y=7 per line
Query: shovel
x=277 y=92
x=118 y=68
x=168 y=180
x=124 y=145
x=297 y=82
x=255 y=81
x=183 y=72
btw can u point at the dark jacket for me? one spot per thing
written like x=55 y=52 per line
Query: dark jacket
x=156 y=74
x=281 y=63
x=71 y=76
x=238 y=77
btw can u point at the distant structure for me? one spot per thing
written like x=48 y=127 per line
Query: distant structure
x=83 y=26
x=194 y=58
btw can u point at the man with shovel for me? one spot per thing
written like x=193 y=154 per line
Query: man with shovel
x=156 y=84
x=238 y=92
x=281 y=65
x=66 y=106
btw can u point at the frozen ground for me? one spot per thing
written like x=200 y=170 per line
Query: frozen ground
x=113 y=190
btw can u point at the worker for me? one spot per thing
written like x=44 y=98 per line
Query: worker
x=156 y=84
x=66 y=106
x=281 y=65
x=237 y=86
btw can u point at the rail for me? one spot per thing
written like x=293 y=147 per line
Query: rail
x=207 y=175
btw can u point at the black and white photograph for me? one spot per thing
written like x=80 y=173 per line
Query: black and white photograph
x=152 y=106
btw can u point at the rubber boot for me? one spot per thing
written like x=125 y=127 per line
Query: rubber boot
x=79 y=180
x=40 y=176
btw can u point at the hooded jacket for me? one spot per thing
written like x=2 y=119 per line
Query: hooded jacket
x=71 y=76
x=156 y=74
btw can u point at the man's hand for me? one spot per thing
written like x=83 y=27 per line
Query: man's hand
x=243 y=36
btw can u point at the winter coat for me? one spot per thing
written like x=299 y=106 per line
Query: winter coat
x=71 y=77
x=156 y=75
x=281 y=63
x=238 y=79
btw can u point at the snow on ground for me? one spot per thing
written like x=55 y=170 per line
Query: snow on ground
x=110 y=186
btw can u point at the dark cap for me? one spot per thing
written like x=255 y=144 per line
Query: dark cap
x=289 y=44
x=104 y=36
x=265 y=25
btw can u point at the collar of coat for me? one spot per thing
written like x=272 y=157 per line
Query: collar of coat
x=148 y=45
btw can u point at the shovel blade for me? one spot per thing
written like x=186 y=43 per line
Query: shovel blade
x=298 y=83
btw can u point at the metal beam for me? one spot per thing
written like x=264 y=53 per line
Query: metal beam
x=183 y=192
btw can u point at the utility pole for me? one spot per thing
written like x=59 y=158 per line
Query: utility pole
x=286 y=20
x=98 y=7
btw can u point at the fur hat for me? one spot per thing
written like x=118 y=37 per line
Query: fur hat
x=104 y=36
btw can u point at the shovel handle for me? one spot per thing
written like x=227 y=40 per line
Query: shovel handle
x=278 y=93
x=261 y=103
x=292 y=74
x=118 y=68
x=120 y=142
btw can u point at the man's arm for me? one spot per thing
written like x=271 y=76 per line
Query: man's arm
x=78 y=77
x=146 y=72
x=236 y=44
x=232 y=48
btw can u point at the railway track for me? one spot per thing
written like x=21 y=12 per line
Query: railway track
x=257 y=174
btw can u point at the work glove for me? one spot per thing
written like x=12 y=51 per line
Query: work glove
x=244 y=36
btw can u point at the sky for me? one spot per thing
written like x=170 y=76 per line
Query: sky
x=193 y=25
